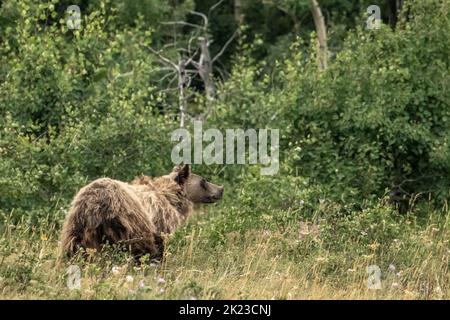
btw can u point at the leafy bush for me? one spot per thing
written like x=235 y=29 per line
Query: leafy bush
x=377 y=120
x=371 y=122
x=74 y=105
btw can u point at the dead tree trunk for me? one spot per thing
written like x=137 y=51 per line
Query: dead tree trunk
x=206 y=69
x=181 y=95
x=321 y=31
x=187 y=67
x=238 y=12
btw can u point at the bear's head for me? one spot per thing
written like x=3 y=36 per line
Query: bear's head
x=197 y=189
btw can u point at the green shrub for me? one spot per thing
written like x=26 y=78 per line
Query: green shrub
x=377 y=120
x=380 y=115
x=74 y=105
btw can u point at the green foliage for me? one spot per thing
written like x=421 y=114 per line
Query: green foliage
x=75 y=105
x=79 y=104
x=376 y=120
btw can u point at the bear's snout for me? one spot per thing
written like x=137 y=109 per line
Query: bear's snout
x=218 y=194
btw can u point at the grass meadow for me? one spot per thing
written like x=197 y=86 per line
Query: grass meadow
x=303 y=259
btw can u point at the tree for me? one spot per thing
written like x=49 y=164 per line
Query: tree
x=193 y=61
x=321 y=31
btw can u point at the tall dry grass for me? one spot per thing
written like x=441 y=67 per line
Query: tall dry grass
x=257 y=264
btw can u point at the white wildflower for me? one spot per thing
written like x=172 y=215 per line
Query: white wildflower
x=115 y=270
x=160 y=280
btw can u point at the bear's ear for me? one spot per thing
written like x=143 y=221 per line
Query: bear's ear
x=182 y=173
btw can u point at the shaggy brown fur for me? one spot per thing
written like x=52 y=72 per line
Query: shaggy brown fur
x=134 y=215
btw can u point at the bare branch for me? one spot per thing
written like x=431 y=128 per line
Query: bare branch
x=184 y=23
x=222 y=70
x=196 y=64
x=169 y=45
x=190 y=42
x=191 y=58
x=163 y=69
x=172 y=81
x=205 y=19
x=121 y=75
x=173 y=73
x=221 y=52
x=182 y=50
x=193 y=72
x=214 y=7
x=161 y=57
x=221 y=73
x=168 y=89
x=188 y=84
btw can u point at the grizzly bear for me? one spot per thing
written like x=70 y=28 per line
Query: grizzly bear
x=134 y=215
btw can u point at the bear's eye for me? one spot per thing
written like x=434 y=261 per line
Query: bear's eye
x=203 y=183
